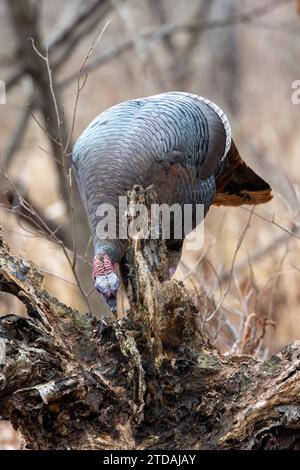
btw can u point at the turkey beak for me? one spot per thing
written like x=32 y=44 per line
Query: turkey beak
x=112 y=303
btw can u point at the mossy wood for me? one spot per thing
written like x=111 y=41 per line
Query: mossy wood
x=148 y=381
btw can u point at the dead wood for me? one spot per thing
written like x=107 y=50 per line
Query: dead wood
x=148 y=381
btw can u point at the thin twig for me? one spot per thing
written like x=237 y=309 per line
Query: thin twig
x=292 y=232
x=81 y=85
x=239 y=244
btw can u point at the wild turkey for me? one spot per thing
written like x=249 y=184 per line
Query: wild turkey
x=178 y=142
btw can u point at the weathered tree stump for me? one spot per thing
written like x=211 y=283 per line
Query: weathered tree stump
x=148 y=381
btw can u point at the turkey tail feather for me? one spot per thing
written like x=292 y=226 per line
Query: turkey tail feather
x=238 y=184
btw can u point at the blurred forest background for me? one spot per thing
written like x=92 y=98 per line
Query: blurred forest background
x=242 y=54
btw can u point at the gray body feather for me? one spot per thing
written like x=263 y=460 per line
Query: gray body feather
x=173 y=141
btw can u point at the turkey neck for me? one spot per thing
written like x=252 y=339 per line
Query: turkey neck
x=114 y=249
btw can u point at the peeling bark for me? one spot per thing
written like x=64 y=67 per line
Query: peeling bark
x=148 y=381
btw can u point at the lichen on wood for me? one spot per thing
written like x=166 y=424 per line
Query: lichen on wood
x=151 y=380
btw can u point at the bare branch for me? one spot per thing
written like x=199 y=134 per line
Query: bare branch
x=17 y=137
x=172 y=29
x=63 y=43
x=72 y=30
